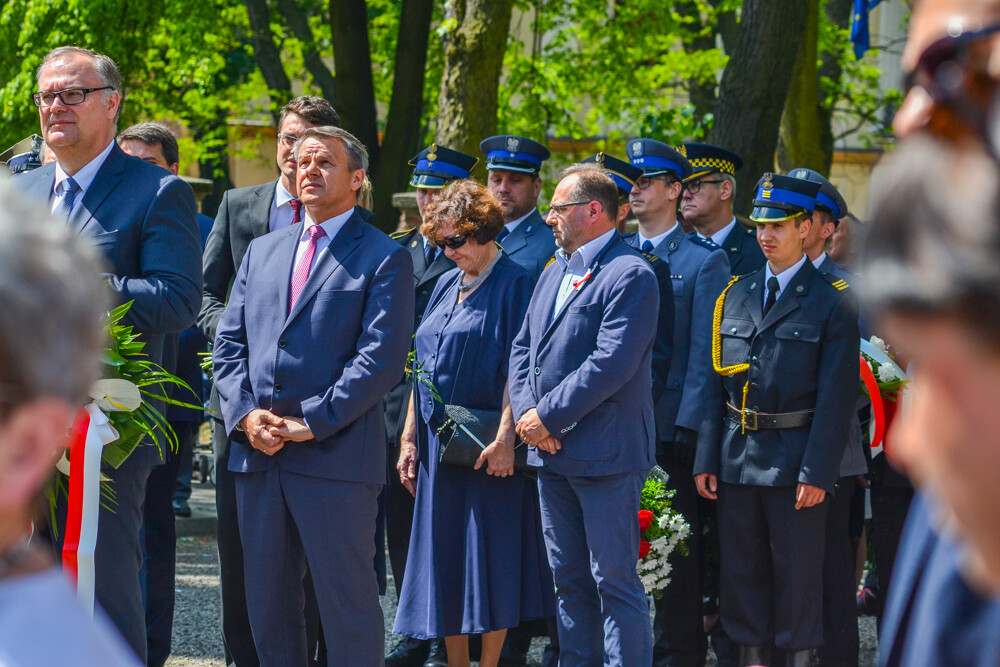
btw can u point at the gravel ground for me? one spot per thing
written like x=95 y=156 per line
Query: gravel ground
x=197 y=640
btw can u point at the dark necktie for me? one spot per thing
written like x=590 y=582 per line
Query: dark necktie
x=430 y=252
x=502 y=235
x=772 y=293
x=296 y=211
x=70 y=188
x=647 y=246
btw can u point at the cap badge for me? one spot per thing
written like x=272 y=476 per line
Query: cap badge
x=432 y=154
x=801 y=173
x=599 y=159
x=768 y=184
x=682 y=149
x=513 y=143
x=636 y=148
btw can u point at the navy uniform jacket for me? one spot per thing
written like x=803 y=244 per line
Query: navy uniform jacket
x=700 y=272
x=531 y=245
x=330 y=360
x=587 y=371
x=663 y=345
x=803 y=355
x=142 y=220
x=743 y=251
x=424 y=280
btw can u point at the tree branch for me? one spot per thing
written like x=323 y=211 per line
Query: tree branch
x=299 y=24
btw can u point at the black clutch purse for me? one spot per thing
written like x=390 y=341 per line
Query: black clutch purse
x=466 y=433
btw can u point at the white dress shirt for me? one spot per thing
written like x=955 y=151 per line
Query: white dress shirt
x=331 y=227
x=784 y=277
x=84 y=178
x=818 y=262
x=656 y=240
x=719 y=237
x=576 y=267
x=282 y=212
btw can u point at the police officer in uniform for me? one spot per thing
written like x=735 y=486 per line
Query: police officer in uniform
x=513 y=164
x=785 y=339
x=700 y=272
x=433 y=168
x=707 y=204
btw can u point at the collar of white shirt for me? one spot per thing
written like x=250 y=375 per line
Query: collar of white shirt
x=511 y=226
x=784 y=277
x=85 y=177
x=586 y=253
x=656 y=240
x=719 y=237
x=281 y=195
x=331 y=226
x=819 y=260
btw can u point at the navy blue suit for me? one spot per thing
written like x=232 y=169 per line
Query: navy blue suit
x=531 y=244
x=802 y=356
x=742 y=250
x=142 y=220
x=331 y=360
x=586 y=371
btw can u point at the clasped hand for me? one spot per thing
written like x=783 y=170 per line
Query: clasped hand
x=268 y=433
x=531 y=429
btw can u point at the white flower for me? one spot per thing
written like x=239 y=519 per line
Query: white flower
x=886 y=373
x=879 y=343
x=116 y=395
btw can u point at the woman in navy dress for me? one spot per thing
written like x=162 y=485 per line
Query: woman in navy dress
x=476 y=563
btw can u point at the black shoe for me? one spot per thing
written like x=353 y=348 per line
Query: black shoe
x=438 y=656
x=181 y=508
x=408 y=653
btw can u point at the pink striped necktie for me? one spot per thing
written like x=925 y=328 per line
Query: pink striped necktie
x=301 y=273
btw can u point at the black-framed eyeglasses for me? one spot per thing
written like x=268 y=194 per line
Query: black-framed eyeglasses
x=69 y=96
x=559 y=209
x=287 y=140
x=946 y=68
x=694 y=187
x=454 y=242
x=643 y=182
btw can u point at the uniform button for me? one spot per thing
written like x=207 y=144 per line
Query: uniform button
x=796 y=334
x=277 y=387
x=537 y=370
x=282 y=343
x=753 y=358
x=756 y=408
x=753 y=385
x=734 y=329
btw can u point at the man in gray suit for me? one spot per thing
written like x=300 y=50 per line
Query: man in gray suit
x=142 y=219
x=699 y=272
x=245 y=214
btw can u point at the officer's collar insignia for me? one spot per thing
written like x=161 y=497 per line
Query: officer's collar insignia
x=672 y=245
x=637 y=148
x=753 y=285
x=414 y=244
x=682 y=149
x=800 y=289
x=529 y=229
x=599 y=159
x=513 y=143
x=431 y=154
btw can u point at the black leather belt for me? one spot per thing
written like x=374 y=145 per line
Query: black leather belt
x=760 y=420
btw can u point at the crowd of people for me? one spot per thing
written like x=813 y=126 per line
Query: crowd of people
x=569 y=355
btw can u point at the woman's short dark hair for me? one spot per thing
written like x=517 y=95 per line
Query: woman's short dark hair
x=470 y=208
x=933 y=244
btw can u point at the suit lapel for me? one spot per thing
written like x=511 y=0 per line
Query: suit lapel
x=341 y=246
x=106 y=180
x=38 y=187
x=584 y=285
x=518 y=238
x=670 y=244
x=788 y=300
x=259 y=209
x=753 y=295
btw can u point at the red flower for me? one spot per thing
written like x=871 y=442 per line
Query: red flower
x=643 y=549
x=645 y=520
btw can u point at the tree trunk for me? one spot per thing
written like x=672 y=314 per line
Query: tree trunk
x=473 y=56
x=838 y=12
x=299 y=24
x=800 y=124
x=402 y=128
x=354 y=89
x=217 y=169
x=754 y=86
x=266 y=53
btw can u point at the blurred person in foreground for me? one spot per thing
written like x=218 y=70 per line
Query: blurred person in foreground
x=50 y=284
x=463 y=580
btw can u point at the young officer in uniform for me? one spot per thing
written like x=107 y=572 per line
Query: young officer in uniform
x=786 y=340
x=433 y=169
x=513 y=164
x=700 y=272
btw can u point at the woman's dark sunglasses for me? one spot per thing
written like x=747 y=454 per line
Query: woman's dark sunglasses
x=454 y=242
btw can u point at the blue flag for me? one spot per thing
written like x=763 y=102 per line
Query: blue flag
x=860 y=36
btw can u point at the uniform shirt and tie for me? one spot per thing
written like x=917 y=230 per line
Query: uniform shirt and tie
x=509 y=227
x=648 y=244
x=286 y=210
x=68 y=191
x=576 y=266
x=719 y=237
x=430 y=251
x=775 y=283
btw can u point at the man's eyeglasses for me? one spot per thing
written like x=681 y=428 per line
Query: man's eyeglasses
x=454 y=242
x=643 y=182
x=559 y=209
x=69 y=97
x=287 y=140
x=947 y=67
x=694 y=187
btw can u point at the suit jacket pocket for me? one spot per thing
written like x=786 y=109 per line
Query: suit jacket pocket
x=339 y=294
x=595 y=438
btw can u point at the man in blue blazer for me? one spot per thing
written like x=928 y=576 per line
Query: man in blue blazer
x=142 y=219
x=581 y=390
x=315 y=333
x=513 y=164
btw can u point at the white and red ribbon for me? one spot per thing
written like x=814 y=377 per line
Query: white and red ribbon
x=91 y=431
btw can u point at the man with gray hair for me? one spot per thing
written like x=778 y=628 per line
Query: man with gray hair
x=50 y=284
x=315 y=333
x=142 y=219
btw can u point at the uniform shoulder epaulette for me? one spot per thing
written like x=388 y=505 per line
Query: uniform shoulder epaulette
x=551 y=259
x=401 y=233
x=839 y=283
x=704 y=243
x=650 y=257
